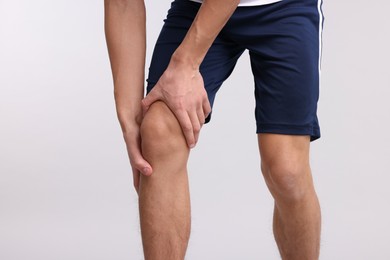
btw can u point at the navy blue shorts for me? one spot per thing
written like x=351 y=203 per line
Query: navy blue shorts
x=284 y=43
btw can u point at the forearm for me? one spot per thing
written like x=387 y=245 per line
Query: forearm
x=126 y=42
x=209 y=21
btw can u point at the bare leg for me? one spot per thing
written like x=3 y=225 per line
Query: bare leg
x=297 y=215
x=164 y=199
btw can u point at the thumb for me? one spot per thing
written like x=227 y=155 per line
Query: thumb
x=149 y=99
x=138 y=162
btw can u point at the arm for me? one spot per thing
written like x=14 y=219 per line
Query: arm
x=181 y=86
x=212 y=16
x=126 y=42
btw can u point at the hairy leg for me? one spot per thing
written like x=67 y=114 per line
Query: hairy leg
x=164 y=199
x=297 y=214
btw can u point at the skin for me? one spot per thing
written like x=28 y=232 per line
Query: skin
x=297 y=214
x=164 y=199
x=181 y=85
x=160 y=129
x=125 y=29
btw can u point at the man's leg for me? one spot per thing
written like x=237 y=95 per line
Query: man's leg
x=297 y=215
x=164 y=200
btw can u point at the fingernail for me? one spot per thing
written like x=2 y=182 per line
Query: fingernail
x=192 y=145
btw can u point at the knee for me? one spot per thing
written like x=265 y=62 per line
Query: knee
x=288 y=180
x=160 y=131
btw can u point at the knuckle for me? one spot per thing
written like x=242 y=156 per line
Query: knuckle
x=197 y=128
x=187 y=127
x=179 y=104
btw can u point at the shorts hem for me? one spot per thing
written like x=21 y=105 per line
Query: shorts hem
x=313 y=131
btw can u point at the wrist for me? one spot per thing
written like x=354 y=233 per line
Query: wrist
x=185 y=59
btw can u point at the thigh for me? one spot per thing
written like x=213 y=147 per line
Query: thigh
x=284 y=149
x=283 y=40
x=215 y=67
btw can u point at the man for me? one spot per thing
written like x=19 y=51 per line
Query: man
x=196 y=51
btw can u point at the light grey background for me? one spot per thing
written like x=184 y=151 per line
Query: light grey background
x=65 y=182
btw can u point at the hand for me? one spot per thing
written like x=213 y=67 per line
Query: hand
x=182 y=89
x=138 y=163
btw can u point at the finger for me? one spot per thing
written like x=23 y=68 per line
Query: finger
x=137 y=161
x=201 y=116
x=186 y=126
x=206 y=107
x=136 y=177
x=149 y=99
x=195 y=124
